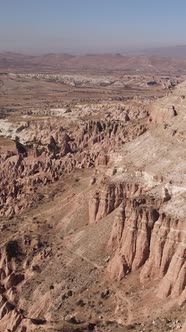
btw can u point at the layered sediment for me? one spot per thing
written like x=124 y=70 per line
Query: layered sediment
x=142 y=237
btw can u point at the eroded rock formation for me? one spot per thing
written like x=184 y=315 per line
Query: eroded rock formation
x=88 y=145
x=142 y=237
x=123 y=216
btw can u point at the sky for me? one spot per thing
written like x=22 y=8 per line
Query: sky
x=90 y=26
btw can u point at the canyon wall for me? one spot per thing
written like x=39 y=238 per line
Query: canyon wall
x=143 y=237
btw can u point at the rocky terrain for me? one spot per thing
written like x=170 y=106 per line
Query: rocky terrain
x=92 y=206
x=162 y=64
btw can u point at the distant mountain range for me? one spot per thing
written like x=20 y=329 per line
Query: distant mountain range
x=170 y=51
x=164 y=61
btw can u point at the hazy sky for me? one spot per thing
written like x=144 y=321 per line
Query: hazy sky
x=90 y=25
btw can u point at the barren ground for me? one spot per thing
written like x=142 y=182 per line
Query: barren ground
x=92 y=213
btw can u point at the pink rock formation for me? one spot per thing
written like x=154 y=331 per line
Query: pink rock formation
x=84 y=147
x=142 y=237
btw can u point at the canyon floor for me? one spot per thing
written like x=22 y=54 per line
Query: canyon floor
x=92 y=202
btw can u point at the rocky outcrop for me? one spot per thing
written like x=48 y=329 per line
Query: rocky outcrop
x=159 y=116
x=18 y=261
x=131 y=234
x=10 y=315
x=108 y=197
x=87 y=145
x=143 y=237
x=105 y=201
x=167 y=259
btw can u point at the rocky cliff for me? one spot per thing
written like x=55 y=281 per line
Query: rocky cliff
x=142 y=237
